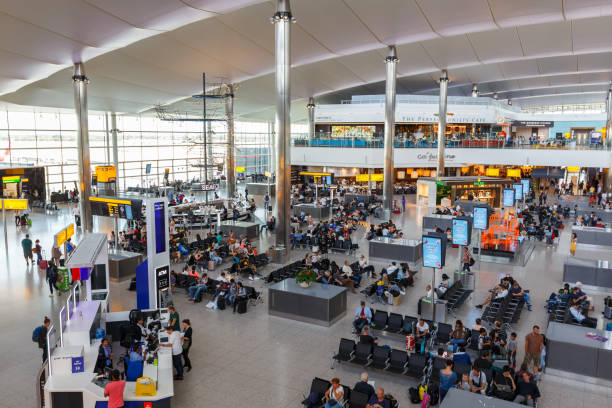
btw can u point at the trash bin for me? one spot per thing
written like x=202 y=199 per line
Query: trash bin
x=427 y=310
x=466 y=278
x=277 y=254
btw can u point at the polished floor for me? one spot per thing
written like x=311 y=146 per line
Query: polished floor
x=257 y=360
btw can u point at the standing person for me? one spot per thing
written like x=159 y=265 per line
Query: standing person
x=173 y=319
x=38 y=250
x=69 y=247
x=114 y=391
x=175 y=342
x=403 y=203
x=573 y=242
x=40 y=336
x=187 y=341
x=266 y=201
x=76 y=211
x=534 y=342
x=246 y=193
x=26 y=245
x=466 y=258
x=448 y=378
x=56 y=254
x=51 y=276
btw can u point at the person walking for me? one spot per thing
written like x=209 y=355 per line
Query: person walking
x=56 y=254
x=76 y=211
x=403 y=203
x=573 y=242
x=26 y=245
x=40 y=337
x=246 y=193
x=534 y=342
x=114 y=391
x=466 y=259
x=38 y=251
x=187 y=341
x=51 y=276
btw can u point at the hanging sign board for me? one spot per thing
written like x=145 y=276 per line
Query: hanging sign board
x=508 y=197
x=434 y=251
x=518 y=191
x=481 y=218
x=461 y=231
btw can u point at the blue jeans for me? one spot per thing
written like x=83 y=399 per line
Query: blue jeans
x=230 y=298
x=216 y=259
x=466 y=266
x=356 y=279
x=177 y=362
x=527 y=298
x=359 y=323
x=456 y=343
x=194 y=291
x=324 y=280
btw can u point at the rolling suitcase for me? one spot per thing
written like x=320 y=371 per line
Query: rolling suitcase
x=211 y=266
x=242 y=306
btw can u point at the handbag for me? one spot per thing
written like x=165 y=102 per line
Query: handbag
x=186 y=344
x=472 y=261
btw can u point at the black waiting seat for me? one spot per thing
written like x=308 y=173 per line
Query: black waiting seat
x=363 y=353
x=346 y=350
x=380 y=357
x=398 y=361
x=408 y=324
x=438 y=364
x=318 y=386
x=416 y=365
x=461 y=368
x=444 y=331
x=473 y=341
x=379 y=320
x=394 y=323
x=358 y=399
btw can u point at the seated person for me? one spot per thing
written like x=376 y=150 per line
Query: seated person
x=363 y=317
x=527 y=391
x=582 y=319
x=366 y=338
x=478 y=381
x=504 y=385
x=363 y=386
x=429 y=293
x=444 y=285
x=483 y=362
x=577 y=297
x=458 y=336
x=498 y=337
x=517 y=291
x=222 y=285
x=378 y=400
x=343 y=280
x=194 y=291
x=105 y=356
x=484 y=341
x=214 y=257
x=194 y=273
x=422 y=330
x=477 y=325
x=348 y=271
x=404 y=276
x=335 y=394
x=499 y=292
x=240 y=294
x=136 y=354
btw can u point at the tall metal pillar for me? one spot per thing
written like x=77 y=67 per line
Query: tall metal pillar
x=442 y=123
x=282 y=20
x=311 y=118
x=80 y=82
x=391 y=62
x=608 y=181
x=113 y=132
x=230 y=166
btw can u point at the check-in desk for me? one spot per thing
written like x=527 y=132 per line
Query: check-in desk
x=122 y=264
x=396 y=249
x=247 y=229
x=569 y=352
x=591 y=272
x=593 y=235
x=319 y=304
x=315 y=211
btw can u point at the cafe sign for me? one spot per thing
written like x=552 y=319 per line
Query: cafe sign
x=431 y=157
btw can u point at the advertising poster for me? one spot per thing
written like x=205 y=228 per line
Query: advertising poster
x=481 y=218
x=508 y=197
x=518 y=191
x=461 y=232
x=432 y=252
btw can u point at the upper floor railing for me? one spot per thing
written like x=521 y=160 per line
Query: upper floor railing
x=458 y=140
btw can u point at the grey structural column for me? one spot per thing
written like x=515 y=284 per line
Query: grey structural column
x=391 y=65
x=230 y=167
x=311 y=118
x=282 y=20
x=114 y=131
x=608 y=185
x=442 y=123
x=80 y=82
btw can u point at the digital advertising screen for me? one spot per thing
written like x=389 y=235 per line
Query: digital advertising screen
x=481 y=218
x=508 y=197
x=525 y=183
x=518 y=191
x=461 y=232
x=160 y=227
x=432 y=252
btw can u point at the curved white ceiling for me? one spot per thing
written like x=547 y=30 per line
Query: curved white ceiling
x=140 y=53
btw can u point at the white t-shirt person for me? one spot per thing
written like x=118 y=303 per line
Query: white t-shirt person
x=177 y=344
x=337 y=395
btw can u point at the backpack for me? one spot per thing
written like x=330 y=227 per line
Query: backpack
x=220 y=302
x=434 y=395
x=36 y=334
x=414 y=395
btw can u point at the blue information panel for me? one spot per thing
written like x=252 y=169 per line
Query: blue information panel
x=78 y=365
x=432 y=252
x=518 y=190
x=508 y=197
x=160 y=227
x=461 y=232
x=481 y=218
x=525 y=183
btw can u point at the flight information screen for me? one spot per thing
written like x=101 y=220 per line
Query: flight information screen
x=118 y=208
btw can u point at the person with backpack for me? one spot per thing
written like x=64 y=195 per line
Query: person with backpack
x=39 y=335
x=51 y=276
x=467 y=259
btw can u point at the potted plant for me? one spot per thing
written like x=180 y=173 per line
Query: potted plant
x=305 y=277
